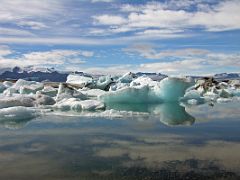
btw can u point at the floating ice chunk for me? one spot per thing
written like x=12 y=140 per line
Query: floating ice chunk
x=92 y=93
x=28 y=84
x=129 y=95
x=235 y=82
x=112 y=113
x=9 y=91
x=193 y=101
x=8 y=84
x=224 y=100
x=167 y=90
x=2 y=87
x=18 y=113
x=66 y=92
x=144 y=81
x=127 y=78
x=104 y=82
x=30 y=89
x=193 y=97
x=65 y=104
x=17 y=100
x=118 y=86
x=225 y=94
x=193 y=94
x=171 y=89
x=49 y=91
x=233 y=91
x=79 y=80
x=42 y=99
x=212 y=94
x=78 y=105
x=92 y=105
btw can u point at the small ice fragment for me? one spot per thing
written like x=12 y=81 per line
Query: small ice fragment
x=18 y=113
x=16 y=100
x=192 y=101
x=80 y=80
x=2 y=87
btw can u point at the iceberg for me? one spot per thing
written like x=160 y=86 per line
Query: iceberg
x=167 y=90
x=2 y=87
x=127 y=78
x=75 y=104
x=17 y=100
x=42 y=99
x=28 y=84
x=8 y=84
x=79 y=80
x=49 y=91
x=104 y=82
x=18 y=113
x=92 y=93
x=65 y=92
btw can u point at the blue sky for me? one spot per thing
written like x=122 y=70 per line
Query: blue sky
x=116 y=36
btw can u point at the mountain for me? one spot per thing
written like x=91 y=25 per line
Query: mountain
x=153 y=76
x=227 y=76
x=43 y=74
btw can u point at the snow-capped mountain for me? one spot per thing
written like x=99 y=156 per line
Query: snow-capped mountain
x=36 y=74
x=227 y=76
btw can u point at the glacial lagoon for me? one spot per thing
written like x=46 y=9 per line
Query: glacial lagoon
x=163 y=141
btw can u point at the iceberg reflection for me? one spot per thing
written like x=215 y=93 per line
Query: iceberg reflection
x=170 y=113
x=173 y=114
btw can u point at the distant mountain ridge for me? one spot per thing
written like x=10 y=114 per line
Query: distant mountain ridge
x=34 y=74
x=50 y=74
x=227 y=76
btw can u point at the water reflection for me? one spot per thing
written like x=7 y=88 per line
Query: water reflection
x=14 y=124
x=173 y=114
x=62 y=147
x=170 y=114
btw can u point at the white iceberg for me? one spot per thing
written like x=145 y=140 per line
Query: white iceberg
x=79 y=80
x=65 y=92
x=42 y=99
x=8 y=84
x=92 y=93
x=32 y=85
x=104 y=82
x=127 y=78
x=18 y=113
x=16 y=100
x=10 y=91
x=75 y=104
x=49 y=91
x=2 y=87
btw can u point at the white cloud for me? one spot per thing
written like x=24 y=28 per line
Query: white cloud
x=53 y=57
x=187 y=62
x=14 y=32
x=32 y=24
x=106 y=1
x=109 y=19
x=148 y=51
x=86 y=41
x=162 y=16
x=56 y=40
x=210 y=64
x=5 y=50
x=30 y=14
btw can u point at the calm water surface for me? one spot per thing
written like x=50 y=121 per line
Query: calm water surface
x=199 y=142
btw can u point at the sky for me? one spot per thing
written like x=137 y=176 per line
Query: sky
x=187 y=37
